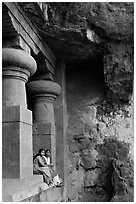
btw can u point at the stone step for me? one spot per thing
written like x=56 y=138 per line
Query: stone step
x=30 y=189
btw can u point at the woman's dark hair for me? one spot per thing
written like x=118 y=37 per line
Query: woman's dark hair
x=40 y=150
x=39 y=153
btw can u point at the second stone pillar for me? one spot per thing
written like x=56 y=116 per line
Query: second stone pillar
x=41 y=97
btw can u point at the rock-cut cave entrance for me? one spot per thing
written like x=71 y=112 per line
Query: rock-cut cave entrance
x=85 y=81
x=84 y=88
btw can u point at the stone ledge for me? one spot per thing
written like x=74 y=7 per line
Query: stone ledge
x=16 y=190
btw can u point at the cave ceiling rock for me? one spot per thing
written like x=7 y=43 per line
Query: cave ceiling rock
x=83 y=25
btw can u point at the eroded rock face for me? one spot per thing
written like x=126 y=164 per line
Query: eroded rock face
x=84 y=31
x=99 y=132
x=118 y=71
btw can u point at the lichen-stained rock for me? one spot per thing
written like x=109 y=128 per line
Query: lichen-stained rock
x=90 y=158
x=118 y=71
x=101 y=126
x=91 y=177
x=119 y=171
x=112 y=20
x=108 y=20
x=120 y=125
x=120 y=181
x=75 y=184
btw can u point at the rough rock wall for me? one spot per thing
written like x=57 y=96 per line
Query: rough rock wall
x=118 y=71
x=100 y=128
x=84 y=87
x=100 y=139
x=80 y=30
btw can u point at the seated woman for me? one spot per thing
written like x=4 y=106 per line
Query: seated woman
x=56 y=179
x=43 y=166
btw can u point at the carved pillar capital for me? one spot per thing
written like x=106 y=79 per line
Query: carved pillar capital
x=42 y=88
x=17 y=63
x=17 y=66
x=42 y=94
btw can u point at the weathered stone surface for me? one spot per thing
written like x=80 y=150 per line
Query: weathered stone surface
x=17 y=138
x=91 y=177
x=118 y=71
x=31 y=189
x=94 y=194
x=75 y=184
x=101 y=126
x=53 y=195
x=95 y=145
x=15 y=190
x=122 y=190
x=82 y=31
x=90 y=158
x=81 y=26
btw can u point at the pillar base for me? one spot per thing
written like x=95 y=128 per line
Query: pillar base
x=17 y=156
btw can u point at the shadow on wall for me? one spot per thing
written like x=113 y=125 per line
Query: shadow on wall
x=105 y=170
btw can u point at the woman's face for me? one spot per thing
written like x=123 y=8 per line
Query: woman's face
x=43 y=153
x=48 y=154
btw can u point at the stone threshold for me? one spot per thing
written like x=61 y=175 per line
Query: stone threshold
x=17 y=190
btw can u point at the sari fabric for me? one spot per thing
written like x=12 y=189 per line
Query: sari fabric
x=40 y=167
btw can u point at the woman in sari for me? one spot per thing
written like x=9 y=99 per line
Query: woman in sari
x=41 y=167
x=57 y=181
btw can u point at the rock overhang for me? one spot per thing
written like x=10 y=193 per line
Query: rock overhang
x=86 y=31
x=81 y=30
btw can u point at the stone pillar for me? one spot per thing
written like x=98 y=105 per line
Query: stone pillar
x=42 y=95
x=17 y=153
x=61 y=124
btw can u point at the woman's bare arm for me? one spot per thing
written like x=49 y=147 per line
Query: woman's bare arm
x=41 y=162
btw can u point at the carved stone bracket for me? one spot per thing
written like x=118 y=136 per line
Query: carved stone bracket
x=45 y=71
